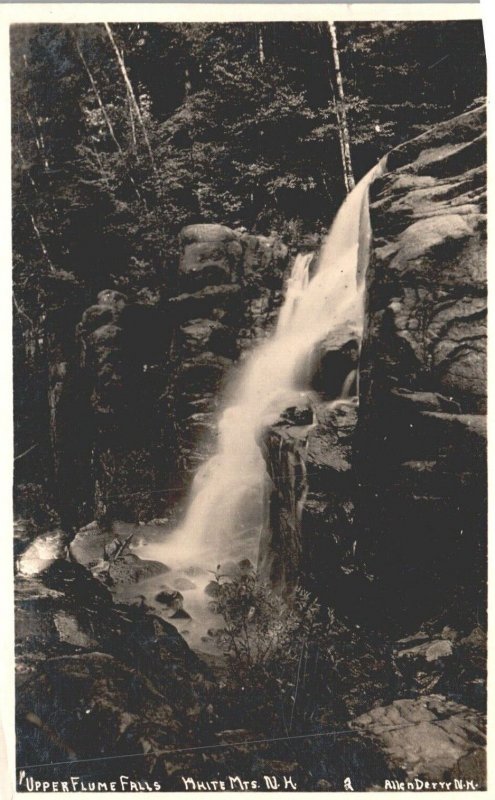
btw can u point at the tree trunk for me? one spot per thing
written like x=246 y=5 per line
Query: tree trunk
x=261 y=46
x=132 y=96
x=345 y=142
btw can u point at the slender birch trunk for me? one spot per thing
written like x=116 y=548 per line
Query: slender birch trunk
x=261 y=46
x=345 y=142
x=132 y=95
x=107 y=119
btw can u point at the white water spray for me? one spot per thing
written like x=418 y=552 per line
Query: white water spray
x=225 y=513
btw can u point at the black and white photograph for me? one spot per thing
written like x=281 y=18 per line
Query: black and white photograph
x=249 y=356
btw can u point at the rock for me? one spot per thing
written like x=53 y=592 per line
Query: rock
x=70 y=631
x=333 y=361
x=205 y=232
x=206 y=302
x=171 y=599
x=129 y=568
x=194 y=571
x=101 y=706
x=297 y=415
x=471 y=767
x=265 y=255
x=424 y=401
x=112 y=298
x=429 y=651
x=180 y=614
x=204 y=264
x=476 y=639
x=95 y=317
x=311 y=502
x=76 y=583
x=183 y=584
x=210 y=335
x=434 y=244
x=419 y=452
x=425 y=737
x=94 y=678
x=201 y=374
x=245 y=566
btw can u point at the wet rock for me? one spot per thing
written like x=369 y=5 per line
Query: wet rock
x=194 y=571
x=180 y=614
x=297 y=415
x=245 y=566
x=333 y=361
x=425 y=737
x=310 y=536
x=184 y=584
x=171 y=599
x=129 y=568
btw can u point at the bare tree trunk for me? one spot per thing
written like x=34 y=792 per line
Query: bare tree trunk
x=132 y=96
x=261 y=46
x=345 y=142
x=107 y=119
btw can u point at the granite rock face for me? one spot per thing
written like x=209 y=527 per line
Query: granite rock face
x=124 y=353
x=420 y=448
x=384 y=515
x=229 y=282
x=428 y=739
x=134 y=385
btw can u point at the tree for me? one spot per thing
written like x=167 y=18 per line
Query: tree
x=340 y=110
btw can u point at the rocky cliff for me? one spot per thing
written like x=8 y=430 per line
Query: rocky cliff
x=381 y=508
x=134 y=384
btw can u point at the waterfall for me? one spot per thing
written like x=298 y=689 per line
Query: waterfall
x=227 y=506
x=225 y=512
x=296 y=286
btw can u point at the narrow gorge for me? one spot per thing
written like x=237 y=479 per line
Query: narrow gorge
x=314 y=416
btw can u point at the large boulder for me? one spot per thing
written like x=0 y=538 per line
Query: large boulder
x=96 y=679
x=310 y=536
x=429 y=739
x=211 y=255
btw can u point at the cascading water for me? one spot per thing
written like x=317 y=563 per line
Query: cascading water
x=225 y=514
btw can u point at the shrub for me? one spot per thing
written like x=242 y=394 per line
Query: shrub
x=279 y=652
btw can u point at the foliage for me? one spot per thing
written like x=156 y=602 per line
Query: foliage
x=241 y=123
x=260 y=626
x=270 y=646
x=231 y=123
